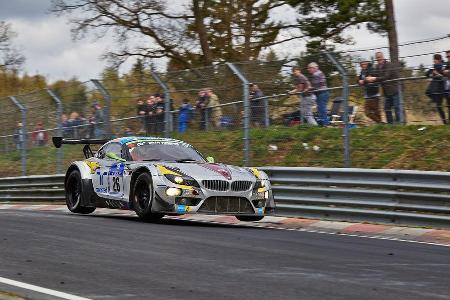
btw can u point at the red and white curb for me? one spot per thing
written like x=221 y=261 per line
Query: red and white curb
x=439 y=237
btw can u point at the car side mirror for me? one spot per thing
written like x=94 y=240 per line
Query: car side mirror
x=210 y=159
x=114 y=156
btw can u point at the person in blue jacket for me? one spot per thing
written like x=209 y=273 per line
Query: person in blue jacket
x=184 y=115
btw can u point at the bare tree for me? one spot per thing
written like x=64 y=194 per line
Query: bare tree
x=10 y=58
x=188 y=35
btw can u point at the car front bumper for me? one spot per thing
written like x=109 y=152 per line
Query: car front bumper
x=201 y=200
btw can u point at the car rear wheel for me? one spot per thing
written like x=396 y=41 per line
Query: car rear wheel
x=74 y=194
x=249 y=218
x=142 y=198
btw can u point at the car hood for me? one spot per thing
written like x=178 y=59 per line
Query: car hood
x=210 y=170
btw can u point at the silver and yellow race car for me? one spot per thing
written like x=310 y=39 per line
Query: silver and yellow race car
x=161 y=176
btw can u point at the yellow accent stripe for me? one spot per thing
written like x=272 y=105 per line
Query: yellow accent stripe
x=92 y=165
x=256 y=172
x=185 y=187
x=163 y=170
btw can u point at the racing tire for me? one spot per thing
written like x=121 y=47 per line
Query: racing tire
x=142 y=197
x=249 y=218
x=74 y=194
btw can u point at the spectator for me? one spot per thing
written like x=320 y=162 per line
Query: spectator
x=256 y=105
x=447 y=82
x=184 y=115
x=140 y=112
x=384 y=73
x=307 y=99
x=128 y=132
x=74 y=124
x=19 y=136
x=319 y=84
x=39 y=136
x=98 y=120
x=436 y=88
x=201 y=105
x=216 y=111
x=149 y=116
x=371 y=93
x=67 y=131
x=159 y=113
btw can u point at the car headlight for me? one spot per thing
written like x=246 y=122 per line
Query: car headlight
x=181 y=179
x=173 y=192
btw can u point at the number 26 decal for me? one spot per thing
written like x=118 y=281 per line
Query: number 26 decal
x=116 y=184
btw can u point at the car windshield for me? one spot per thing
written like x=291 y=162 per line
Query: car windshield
x=164 y=152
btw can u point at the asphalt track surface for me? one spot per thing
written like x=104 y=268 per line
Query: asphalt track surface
x=120 y=257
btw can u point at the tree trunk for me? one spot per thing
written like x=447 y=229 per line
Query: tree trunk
x=202 y=33
x=392 y=31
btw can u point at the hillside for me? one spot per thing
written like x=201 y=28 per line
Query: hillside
x=399 y=147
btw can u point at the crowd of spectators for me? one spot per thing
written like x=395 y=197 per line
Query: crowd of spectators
x=379 y=81
x=77 y=126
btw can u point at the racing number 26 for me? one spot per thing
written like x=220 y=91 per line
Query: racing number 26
x=116 y=184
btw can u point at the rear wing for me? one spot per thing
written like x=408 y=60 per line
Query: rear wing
x=58 y=141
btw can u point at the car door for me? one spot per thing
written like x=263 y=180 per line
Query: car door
x=115 y=170
x=108 y=181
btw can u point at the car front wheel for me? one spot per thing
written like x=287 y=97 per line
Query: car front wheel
x=142 y=198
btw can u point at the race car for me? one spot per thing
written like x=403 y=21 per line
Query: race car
x=162 y=176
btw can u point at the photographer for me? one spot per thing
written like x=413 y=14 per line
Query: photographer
x=436 y=88
x=371 y=92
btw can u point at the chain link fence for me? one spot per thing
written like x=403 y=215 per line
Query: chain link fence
x=243 y=113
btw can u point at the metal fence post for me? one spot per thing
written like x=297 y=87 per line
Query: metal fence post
x=167 y=113
x=346 y=131
x=22 y=134
x=245 y=84
x=59 y=111
x=266 y=113
x=107 y=107
x=401 y=105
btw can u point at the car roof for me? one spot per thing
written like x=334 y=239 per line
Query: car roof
x=148 y=139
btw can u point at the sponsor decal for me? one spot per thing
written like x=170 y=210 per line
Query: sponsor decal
x=101 y=190
x=222 y=170
x=181 y=209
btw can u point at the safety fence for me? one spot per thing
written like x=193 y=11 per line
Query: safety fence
x=228 y=109
x=388 y=196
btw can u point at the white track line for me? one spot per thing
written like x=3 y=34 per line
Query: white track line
x=41 y=290
x=376 y=237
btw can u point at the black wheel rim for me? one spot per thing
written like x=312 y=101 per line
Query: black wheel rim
x=142 y=194
x=74 y=191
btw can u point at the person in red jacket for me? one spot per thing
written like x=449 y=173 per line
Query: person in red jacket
x=39 y=136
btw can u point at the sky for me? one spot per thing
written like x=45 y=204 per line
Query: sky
x=47 y=44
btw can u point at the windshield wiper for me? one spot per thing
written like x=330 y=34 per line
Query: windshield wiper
x=152 y=159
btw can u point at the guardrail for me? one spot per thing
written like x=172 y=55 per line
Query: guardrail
x=32 y=188
x=382 y=195
x=418 y=198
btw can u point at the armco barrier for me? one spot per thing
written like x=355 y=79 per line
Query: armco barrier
x=389 y=196
x=32 y=188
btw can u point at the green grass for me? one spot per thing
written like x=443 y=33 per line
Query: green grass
x=399 y=147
